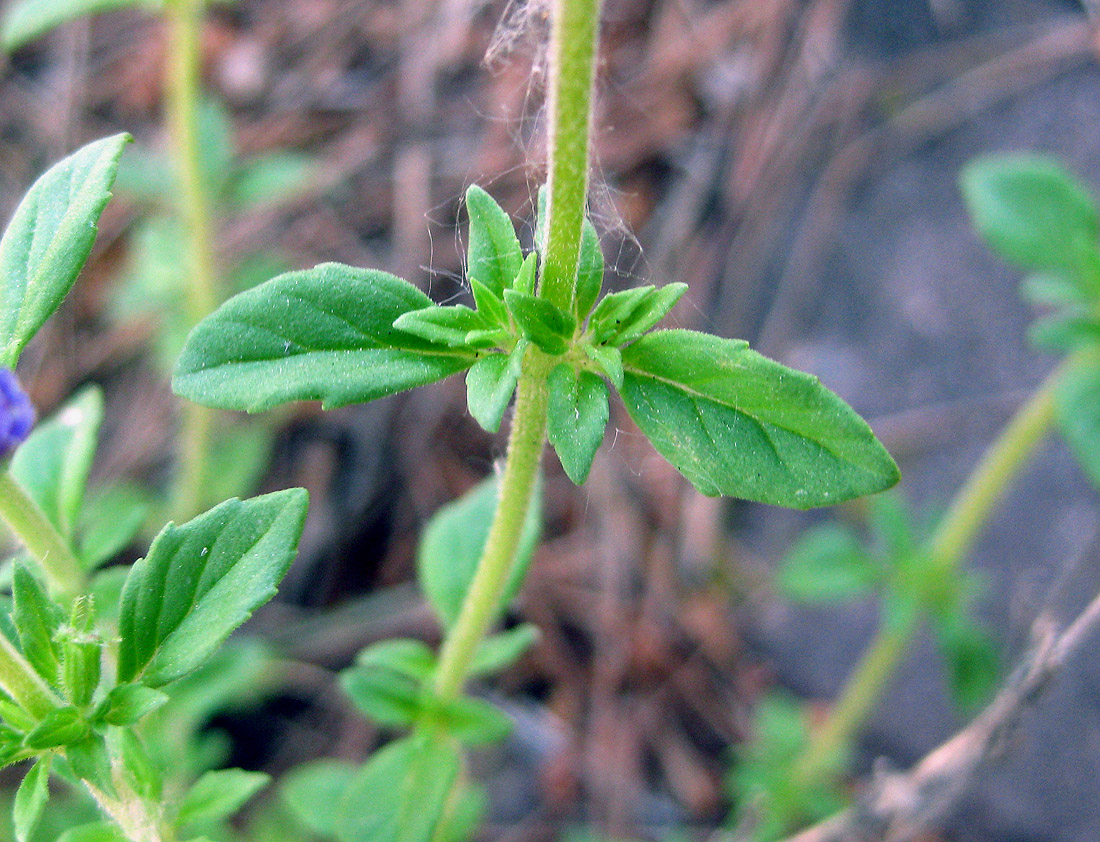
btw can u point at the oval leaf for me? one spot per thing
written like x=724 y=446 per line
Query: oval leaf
x=24 y=21
x=311 y=789
x=202 y=580
x=736 y=423
x=1077 y=409
x=576 y=419
x=49 y=238
x=323 y=334
x=452 y=545
x=495 y=255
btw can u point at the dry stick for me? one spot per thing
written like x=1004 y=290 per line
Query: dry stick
x=899 y=806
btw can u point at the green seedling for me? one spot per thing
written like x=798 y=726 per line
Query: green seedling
x=89 y=655
x=1038 y=217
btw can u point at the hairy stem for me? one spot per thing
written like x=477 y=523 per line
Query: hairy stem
x=482 y=602
x=573 y=50
x=63 y=570
x=572 y=78
x=948 y=547
x=184 y=63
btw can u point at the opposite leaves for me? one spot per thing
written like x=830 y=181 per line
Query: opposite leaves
x=323 y=334
x=202 y=580
x=736 y=423
x=49 y=239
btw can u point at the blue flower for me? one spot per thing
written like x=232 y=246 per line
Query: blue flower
x=16 y=414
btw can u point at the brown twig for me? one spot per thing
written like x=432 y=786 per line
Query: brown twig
x=899 y=806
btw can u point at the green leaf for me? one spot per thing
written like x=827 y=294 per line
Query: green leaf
x=474 y=722
x=576 y=418
x=465 y=810
x=60 y=727
x=311 y=790
x=647 y=313
x=971 y=658
x=388 y=697
x=499 y=651
x=400 y=794
x=52 y=465
x=614 y=309
x=445 y=325
x=26 y=20
x=490 y=306
x=494 y=253
x=610 y=360
x=1066 y=330
x=1077 y=410
x=1052 y=289
x=215 y=136
x=490 y=383
x=49 y=238
x=93 y=832
x=828 y=564
x=544 y=323
x=323 y=334
x=1031 y=211
x=242 y=453
x=110 y=519
x=528 y=275
x=736 y=423
x=404 y=656
x=90 y=761
x=271 y=179
x=127 y=704
x=30 y=799
x=452 y=544
x=218 y=795
x=202 y=580
x=589 y=272
x=37 y=620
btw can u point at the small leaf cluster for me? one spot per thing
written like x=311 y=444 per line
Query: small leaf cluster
x=412 y=790
x=772 y=795
x=1037 y=216
x=79 y=671
x=732 y=421
x=832 y=563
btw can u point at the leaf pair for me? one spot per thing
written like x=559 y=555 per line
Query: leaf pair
x=1037 y=216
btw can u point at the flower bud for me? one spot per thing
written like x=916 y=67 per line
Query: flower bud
x=16 y=414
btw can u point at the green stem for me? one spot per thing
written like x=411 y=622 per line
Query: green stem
x=948 y=547
x=184 y=66
x=573 y=50
x=22 y=683
x=63 y=570
x=572 y=77
x=482 y=602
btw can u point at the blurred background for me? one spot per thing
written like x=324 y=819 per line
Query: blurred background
x=795 y=162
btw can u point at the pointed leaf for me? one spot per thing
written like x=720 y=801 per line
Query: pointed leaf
x=445 y=325
x=490 y=306
x=127 y=704
x=1077 y=410
x=490 y=383
x=543 y=323
x=26 y=20
x=59 y=727
x=30 y=799
x=499 y=651
x=37 y=619
x=610 y=360
x=219 y=794
x=323 y=334
x=576 y=419
x=474 y=722
x=589 y=272
x=528 y=275
x=400 y=794
x=452 y=544
x=49 y=238
x=202 y=580
x=93 y=832
x=52 y=465
x=736 y=423
x=649 y=311
x=388 y=697
x=494 y=252
x=1031 y=211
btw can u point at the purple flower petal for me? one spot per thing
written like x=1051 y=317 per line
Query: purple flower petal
x=16 y=414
